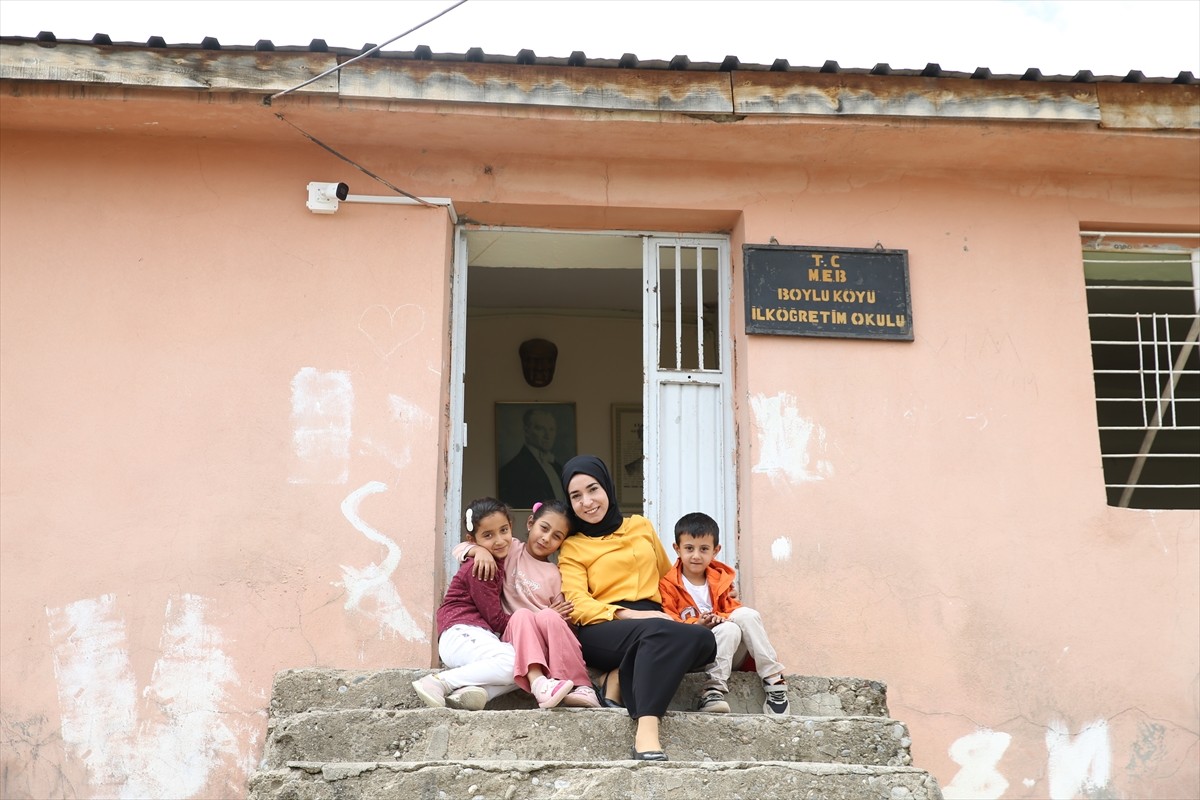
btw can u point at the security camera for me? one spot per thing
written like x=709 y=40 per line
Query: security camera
x=323 y=197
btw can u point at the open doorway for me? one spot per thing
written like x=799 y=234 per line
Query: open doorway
x=580 y=292
x=638 y=327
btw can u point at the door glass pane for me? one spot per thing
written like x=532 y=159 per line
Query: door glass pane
x=689 y=319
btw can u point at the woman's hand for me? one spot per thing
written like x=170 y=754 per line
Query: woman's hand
x=629 y=613
x=484 y=568
x=564 y=609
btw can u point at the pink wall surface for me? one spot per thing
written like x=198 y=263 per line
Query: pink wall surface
x=222 y=419
x=192 y=498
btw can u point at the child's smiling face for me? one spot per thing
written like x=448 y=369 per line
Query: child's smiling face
x=546 y=534
x=695 y=554
x=494 y=534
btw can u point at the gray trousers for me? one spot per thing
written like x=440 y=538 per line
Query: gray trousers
x=742 y=635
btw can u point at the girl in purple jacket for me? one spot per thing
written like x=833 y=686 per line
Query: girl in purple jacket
x=471 y=620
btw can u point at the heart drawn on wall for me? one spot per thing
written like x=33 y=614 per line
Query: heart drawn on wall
x=390 y=329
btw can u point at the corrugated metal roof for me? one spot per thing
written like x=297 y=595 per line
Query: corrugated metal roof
x=627 y=61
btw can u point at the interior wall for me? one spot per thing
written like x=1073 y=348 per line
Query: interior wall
x=599 y=364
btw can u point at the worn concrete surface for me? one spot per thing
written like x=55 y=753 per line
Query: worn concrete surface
x=579 y=735
x=628 y=780
x=304 y=689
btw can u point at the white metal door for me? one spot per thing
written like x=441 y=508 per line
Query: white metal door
x=687 y=392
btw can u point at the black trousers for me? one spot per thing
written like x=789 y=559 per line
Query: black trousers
x=653 y=656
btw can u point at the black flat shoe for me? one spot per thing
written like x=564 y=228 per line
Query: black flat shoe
x=602 y=693
x=649 y=755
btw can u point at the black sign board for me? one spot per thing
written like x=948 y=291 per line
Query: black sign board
x=827 y=291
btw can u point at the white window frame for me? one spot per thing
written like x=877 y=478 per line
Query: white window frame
x=1162 y=359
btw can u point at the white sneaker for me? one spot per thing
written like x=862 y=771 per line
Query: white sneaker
x=432 y=690
x=776 y=704
x=468 y=698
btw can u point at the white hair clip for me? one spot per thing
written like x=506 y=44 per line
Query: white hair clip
x=470 y=524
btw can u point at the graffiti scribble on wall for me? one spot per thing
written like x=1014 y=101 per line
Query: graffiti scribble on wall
x=1079 y=765
x=389 y=329
x=977 y=755
x=370 y=590
x=168 y=743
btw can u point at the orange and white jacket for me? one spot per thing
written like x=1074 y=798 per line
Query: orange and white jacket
x=677 y=602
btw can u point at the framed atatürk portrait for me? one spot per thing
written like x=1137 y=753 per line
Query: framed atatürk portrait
x=627 y=457
x=533 y=441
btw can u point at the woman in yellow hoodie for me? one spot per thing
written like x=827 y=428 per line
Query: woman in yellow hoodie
x=610 y=568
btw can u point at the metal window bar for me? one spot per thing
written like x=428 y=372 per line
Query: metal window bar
x=1131 y=486
x=1138 y=235
x=678 y=307
x=1096 y=286
x=1141 y=351
x=680 y=312
x=1152 y=430
x=699 y=308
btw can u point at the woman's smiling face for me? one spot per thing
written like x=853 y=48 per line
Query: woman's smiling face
x=588 y=498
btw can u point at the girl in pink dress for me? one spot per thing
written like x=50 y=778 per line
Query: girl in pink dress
x=549 y=662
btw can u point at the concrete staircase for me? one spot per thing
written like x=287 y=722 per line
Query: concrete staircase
x=343 y=735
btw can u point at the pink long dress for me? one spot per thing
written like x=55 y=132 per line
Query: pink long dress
x=539 y=635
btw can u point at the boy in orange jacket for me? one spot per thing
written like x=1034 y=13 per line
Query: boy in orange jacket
x=698 y=590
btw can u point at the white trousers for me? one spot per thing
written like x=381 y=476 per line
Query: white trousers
x=743 y=634
x=476 y=657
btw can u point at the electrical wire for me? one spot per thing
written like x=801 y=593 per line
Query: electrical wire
x=331 y=70
x=354 y=164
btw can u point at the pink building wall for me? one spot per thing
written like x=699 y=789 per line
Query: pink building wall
x=224 y=423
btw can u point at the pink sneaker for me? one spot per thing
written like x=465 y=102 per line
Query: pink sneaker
x=549 y=691
x=582 y=697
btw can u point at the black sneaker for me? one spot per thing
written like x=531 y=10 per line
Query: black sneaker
x=777 y=701
x=713 y=701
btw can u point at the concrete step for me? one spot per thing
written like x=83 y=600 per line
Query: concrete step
x=299 y=690
x=567 y=734
x=622 y=780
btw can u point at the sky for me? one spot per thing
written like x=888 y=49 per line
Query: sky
x=1108 y=37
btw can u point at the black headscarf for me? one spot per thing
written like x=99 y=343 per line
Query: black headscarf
x=594 y=467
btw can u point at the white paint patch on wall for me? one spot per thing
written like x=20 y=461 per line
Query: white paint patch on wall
x=790 y=447
x=373 y=583
x=322 y=409
x=408 y=413
x=397 y=458
x=183 y=733
x=978 y=754
x=407 y=417
x=781 y=549
x=1082 y=764
x=96 y=692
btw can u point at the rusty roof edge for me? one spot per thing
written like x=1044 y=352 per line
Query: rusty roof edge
x=626 y=61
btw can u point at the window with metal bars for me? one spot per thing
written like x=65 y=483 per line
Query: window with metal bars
x=1143 y=298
